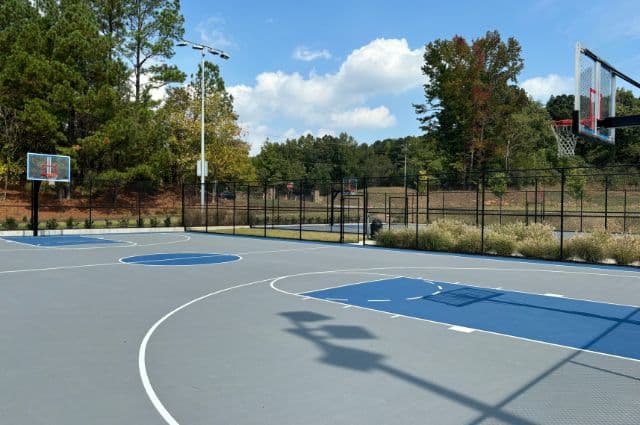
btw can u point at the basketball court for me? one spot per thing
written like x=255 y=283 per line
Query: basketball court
x=200 y=329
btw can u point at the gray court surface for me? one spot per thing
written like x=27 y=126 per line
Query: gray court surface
x=86 y=339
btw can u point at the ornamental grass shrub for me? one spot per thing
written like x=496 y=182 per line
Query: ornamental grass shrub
x=624 y=249
x=500 y=243
x=590 y=247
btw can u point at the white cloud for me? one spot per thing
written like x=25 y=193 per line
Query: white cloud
x=304 y=54
x=335 y=101
x=362 y=117
x=541 y=88
x=211 y=32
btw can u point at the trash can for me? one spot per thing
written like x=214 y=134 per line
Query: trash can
x=376 y=226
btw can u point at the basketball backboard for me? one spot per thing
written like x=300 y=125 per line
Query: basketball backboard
x=47 y=167
x=594 y=116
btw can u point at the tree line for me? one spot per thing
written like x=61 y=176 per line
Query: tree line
x=77 y=77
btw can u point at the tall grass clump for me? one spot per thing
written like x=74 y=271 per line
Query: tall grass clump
x=539 y=241
x=589 y=247
x=436 y=239
x=386 y=238
x=500 y=243
x=469 y=240
x=624 y=249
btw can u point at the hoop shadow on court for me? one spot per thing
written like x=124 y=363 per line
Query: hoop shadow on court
x=313 y=328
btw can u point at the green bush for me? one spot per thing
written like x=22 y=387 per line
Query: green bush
x=123 y=223
x=70 y=223
x=624 y=249
x=108 y=222
x=140 y=222
x=52 y=223
x=10 y=223
x=538 y=231
x=589 y=247
x=153 y=222
x=167 y=222
x=500 y=243
x=88 y=224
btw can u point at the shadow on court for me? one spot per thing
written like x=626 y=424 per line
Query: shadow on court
x=313 y=328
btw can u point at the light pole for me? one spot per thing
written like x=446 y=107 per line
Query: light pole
x=215 y=52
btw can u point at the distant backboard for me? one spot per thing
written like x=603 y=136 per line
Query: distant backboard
x=47 y=167
x=594 y=116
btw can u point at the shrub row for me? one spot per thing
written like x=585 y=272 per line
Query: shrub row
x=11 y=223
x=533 y=241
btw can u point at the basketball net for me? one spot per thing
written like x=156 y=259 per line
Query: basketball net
x=564 y=137
x=50 y=172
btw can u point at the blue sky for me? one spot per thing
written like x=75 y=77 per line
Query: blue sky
x=354 y=66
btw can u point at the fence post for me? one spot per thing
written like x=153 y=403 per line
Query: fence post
x=249 y=205
x=477 y=204
x=427 y=186
x=562 y=182
x=484 y=181
x=581 y=210
x=217 y=199
x=206 y=208
x=443 y=215
x=233 y=220
x=265 y=210
x=365 y=212
x=300 y=211
x=606 y=202
x=417 y=209
x=535 y=203
x=342 y=210
x=406 y=204
x=184 y=223
x=140 y=223
x=624 y=212
x=387 y=219
x=91 y=202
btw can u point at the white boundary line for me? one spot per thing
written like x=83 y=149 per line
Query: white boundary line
x=170 y=420
x=142 y=352
x=196 y=256
x=115 y=245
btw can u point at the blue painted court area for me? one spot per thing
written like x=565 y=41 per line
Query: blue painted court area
x=180 y=259
x=604 y=328
x=54 y=241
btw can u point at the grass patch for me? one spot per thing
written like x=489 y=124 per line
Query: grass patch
x=624 y=249
x=590 y=247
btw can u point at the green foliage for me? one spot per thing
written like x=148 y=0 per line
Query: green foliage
x=123 y=222
x=153 y=222
x=10 y=223
x=470 y=92
x=497 y=183
x=108 y=222
x=539 y=241
x=88 y=224
x=70 y=223
x=560 y=107
x=52 y=223
x=590 y=247
x=167 y=222
x=576 y=183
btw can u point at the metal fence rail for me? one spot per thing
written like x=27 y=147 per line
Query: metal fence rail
x=571 y=200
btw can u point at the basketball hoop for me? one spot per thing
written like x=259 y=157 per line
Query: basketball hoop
x=49 y=172
x=565 y=138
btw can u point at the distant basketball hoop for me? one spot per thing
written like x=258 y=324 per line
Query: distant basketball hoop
x=565 y=138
